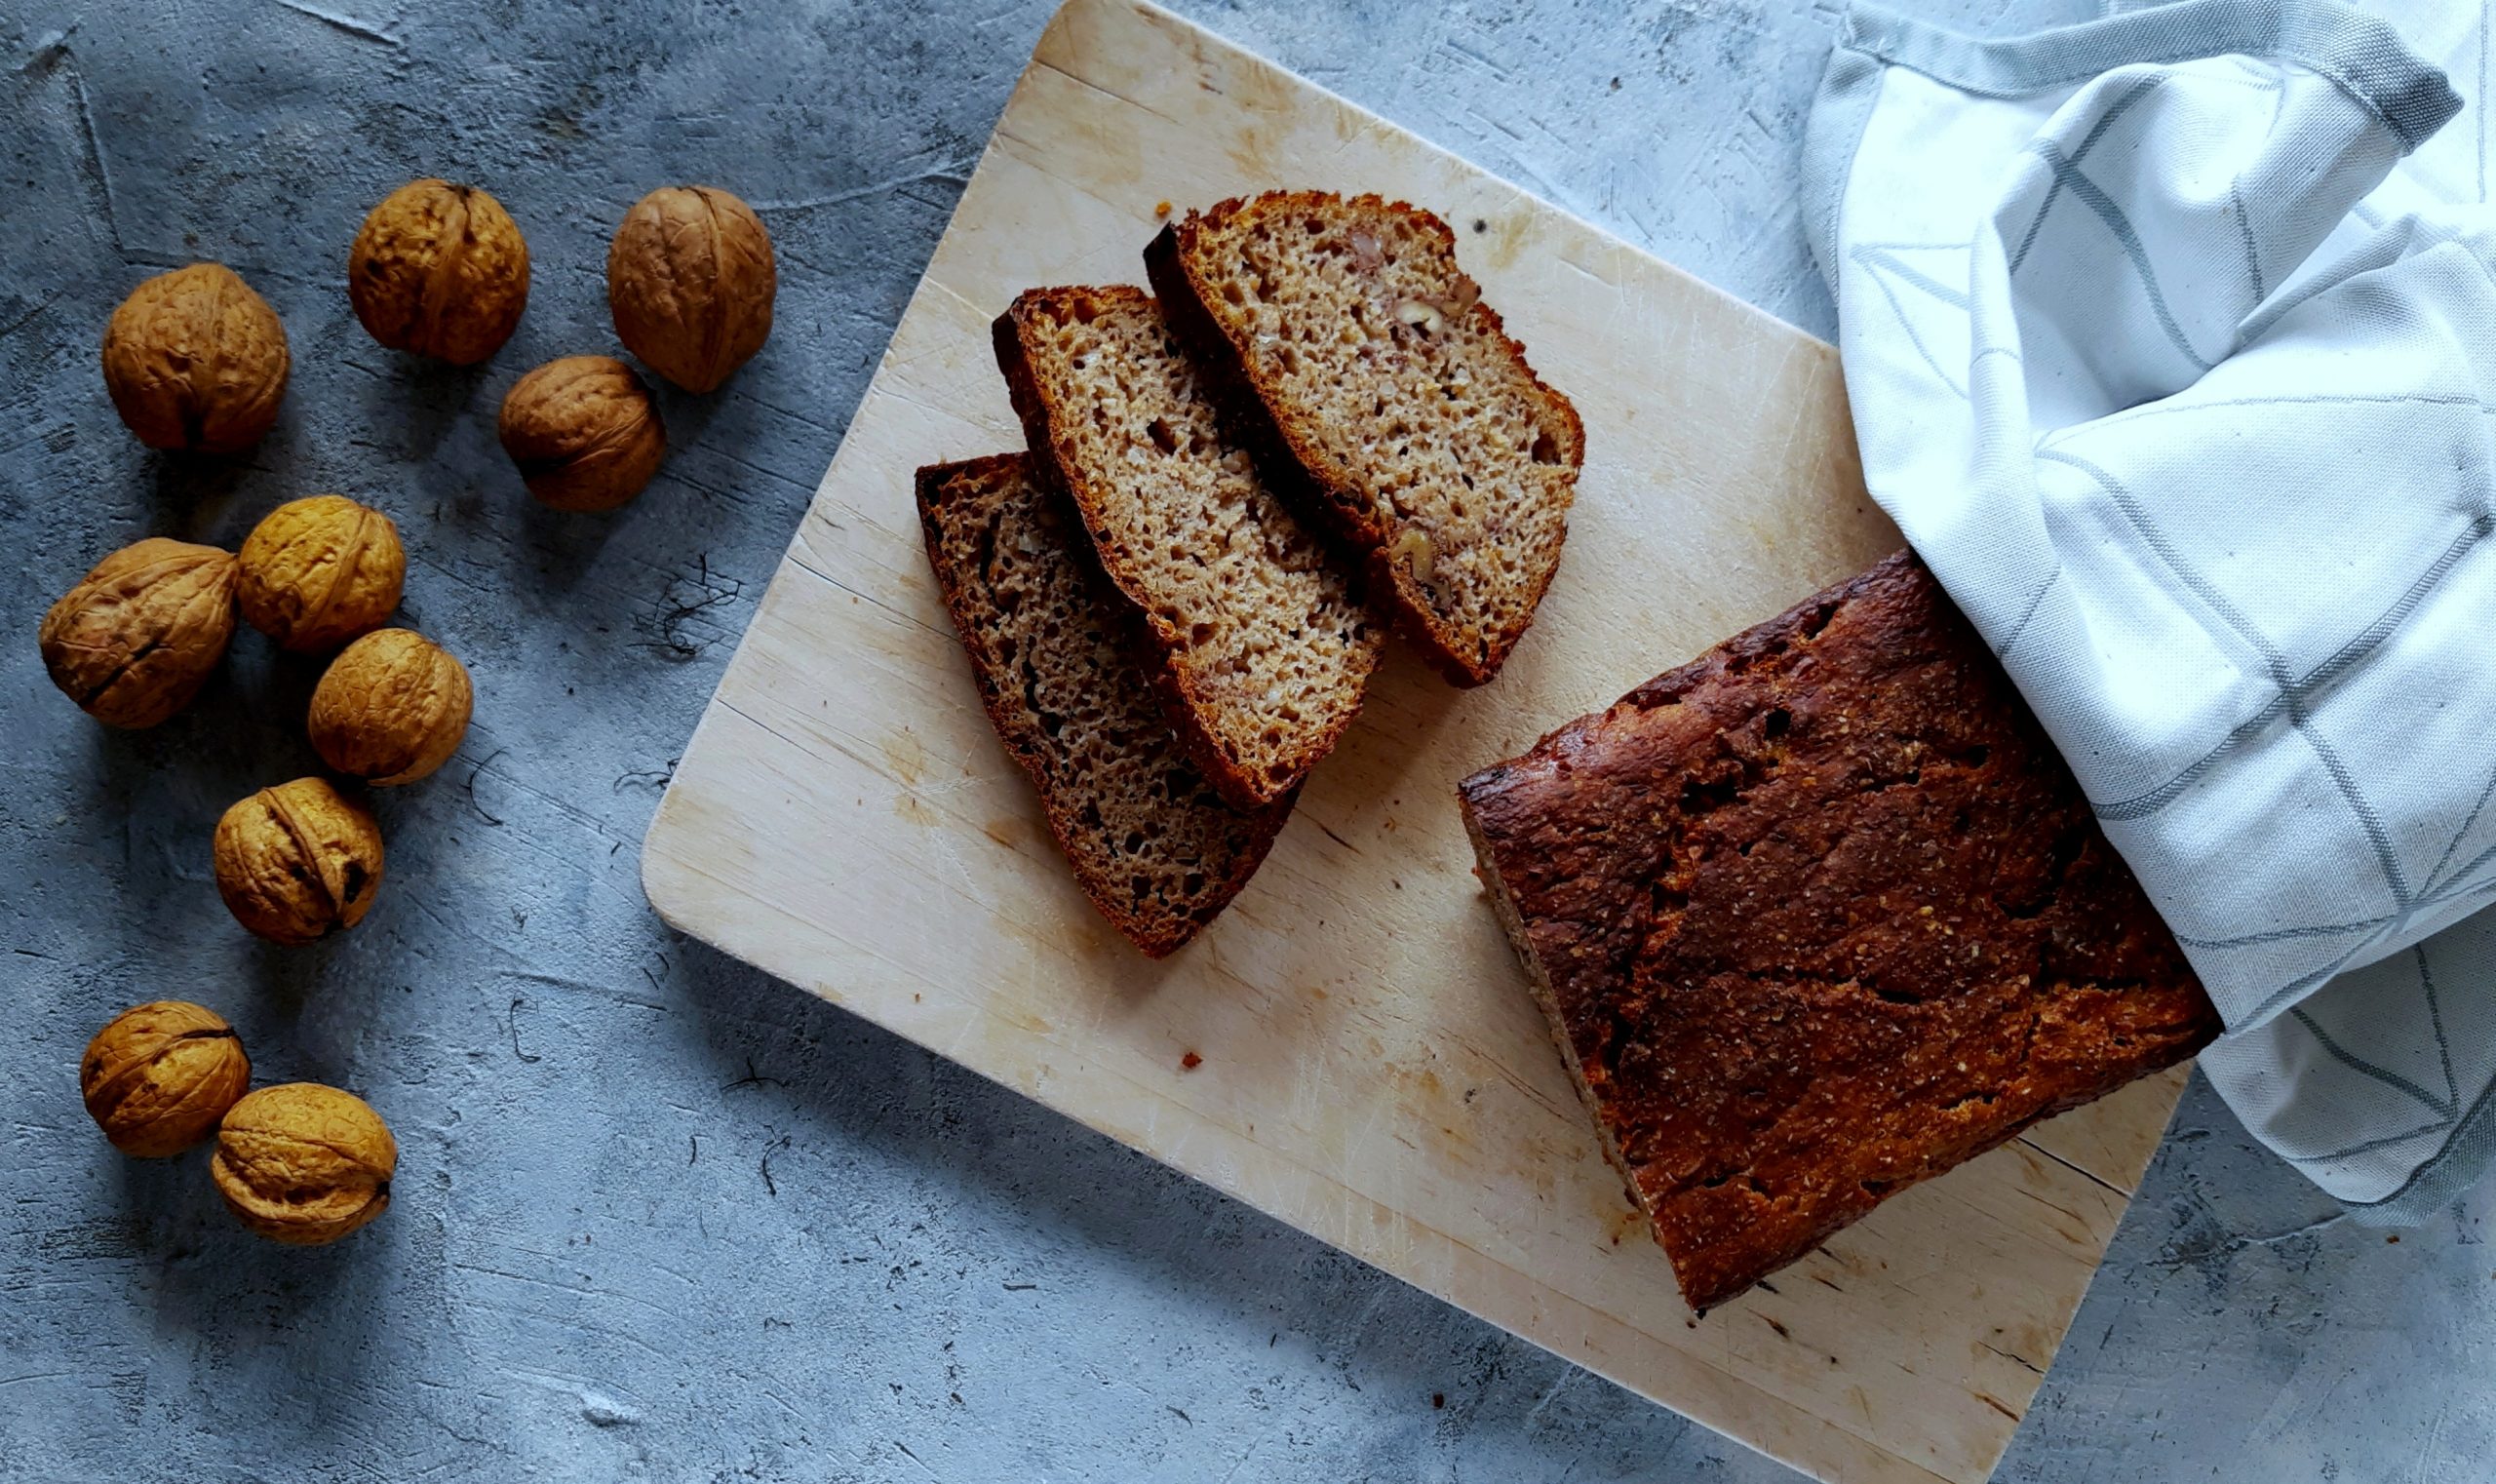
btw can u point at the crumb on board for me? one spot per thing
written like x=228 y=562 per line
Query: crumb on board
x=1191 y=1062
x=1161 y=208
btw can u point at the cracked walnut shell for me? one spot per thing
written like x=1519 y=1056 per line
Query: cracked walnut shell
x=440 y=270
x=136 y=638
x=297 y=862
x=303 y=1163
x=391 y=708
x=584 y=433
x=317 y=573
x=158 y=1076
x=196 y=362
x=690 y=279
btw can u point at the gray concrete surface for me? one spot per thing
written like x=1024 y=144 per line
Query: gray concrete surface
x=658 y=1217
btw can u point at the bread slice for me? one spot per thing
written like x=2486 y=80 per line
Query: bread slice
x=1354 y=354
x=1066 y=677
x=1265 y=647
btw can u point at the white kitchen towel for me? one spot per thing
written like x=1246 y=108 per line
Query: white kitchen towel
x=2171 y=343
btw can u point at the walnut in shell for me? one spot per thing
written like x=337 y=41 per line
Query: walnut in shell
x=391 y=708
x=584 y=432
x=158 y=1076
x=440 y=270
x=317 y=573
x=297 y=862
x=690 y=279
x=195 y=361
x=303 y=1163
x=134 y=641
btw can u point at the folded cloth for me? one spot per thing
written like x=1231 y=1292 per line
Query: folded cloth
x=2171 y=343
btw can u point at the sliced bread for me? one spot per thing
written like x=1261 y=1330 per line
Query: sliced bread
x=1360 y=360
x=1066 y=676
x=1265 y=647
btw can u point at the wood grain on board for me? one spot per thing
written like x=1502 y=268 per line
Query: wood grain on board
x=1352 y=1047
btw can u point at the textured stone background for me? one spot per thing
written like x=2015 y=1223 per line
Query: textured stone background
x=657 y=1215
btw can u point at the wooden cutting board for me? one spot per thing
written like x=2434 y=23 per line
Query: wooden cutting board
x=1352 y=1047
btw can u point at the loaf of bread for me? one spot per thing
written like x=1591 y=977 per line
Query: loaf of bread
x=1821 y=914
x=1362 y=367
x=1065 y=673
x=1264 y=648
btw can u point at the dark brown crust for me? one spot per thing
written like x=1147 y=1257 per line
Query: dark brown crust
x=1008 y=714
x=1052 y=460
x=1299 y=469
x=1821 y=914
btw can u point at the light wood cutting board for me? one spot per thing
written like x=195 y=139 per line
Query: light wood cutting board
x=1352 y=1047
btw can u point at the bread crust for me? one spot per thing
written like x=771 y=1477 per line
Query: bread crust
x=1821 y=914
x=1298 y=466
x=1009 y=713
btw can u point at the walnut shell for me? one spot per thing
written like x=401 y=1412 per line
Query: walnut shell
x=303 y=1163
x=584 y=432
x=391 y=708
x=440 y=270
x=195 y=361
x=136 y=638
x=317 y=573
x=690 y=279
x=158 y=1076
x=298 y=861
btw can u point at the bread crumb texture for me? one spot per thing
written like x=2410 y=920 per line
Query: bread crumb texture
x=1401 y=395
x=1267 y=649
x=1064 y=671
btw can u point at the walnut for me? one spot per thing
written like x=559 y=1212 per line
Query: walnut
x=1414 y=552
x=134 y=641
x=159 y=1076
x=391 y=708
x=317 y=573
x=196 y=362
x=440 y=270
x=298 y=861
x=584 y=432
x=303 y=1163
x=689 y=278
x=1423 y=315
